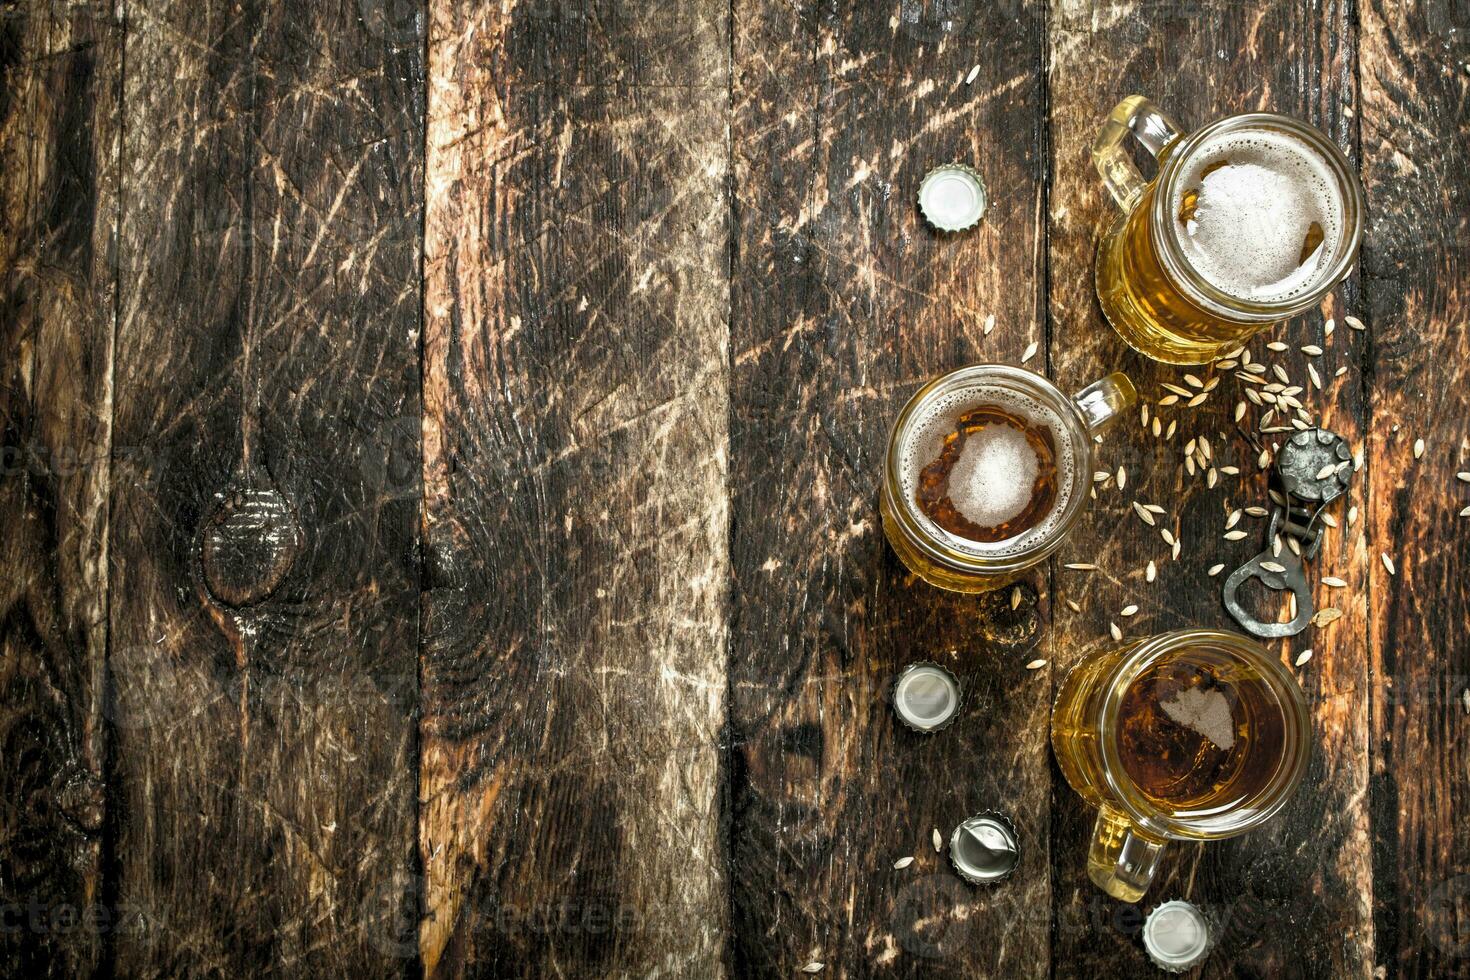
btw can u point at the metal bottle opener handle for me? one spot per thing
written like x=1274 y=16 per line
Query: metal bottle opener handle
x=1313 y=469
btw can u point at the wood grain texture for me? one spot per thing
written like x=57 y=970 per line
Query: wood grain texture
x=60 y=87
x=265 y=592
x=574 y=472
x=1416 y=164
x=439 y=446
x=1294 y=897
x=843 y=303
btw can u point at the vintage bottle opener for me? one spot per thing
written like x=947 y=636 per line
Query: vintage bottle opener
x=1313 y=469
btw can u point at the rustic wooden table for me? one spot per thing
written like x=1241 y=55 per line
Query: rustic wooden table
x=438 y=511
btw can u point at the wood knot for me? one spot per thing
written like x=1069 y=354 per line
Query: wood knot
x=248 y=545
x=81 y=799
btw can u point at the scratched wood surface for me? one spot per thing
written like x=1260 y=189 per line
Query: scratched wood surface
x=439 y=509
x=264 y=610
x=59 y=130
x=1415 y=154
x=842 y=303
x=574 y=471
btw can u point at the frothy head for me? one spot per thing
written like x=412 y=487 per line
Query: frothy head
x=1258 y=214
x=992 y=480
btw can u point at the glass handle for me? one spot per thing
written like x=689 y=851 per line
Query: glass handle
x=1150 y=126
x=1103 y=401
x=1122 y=860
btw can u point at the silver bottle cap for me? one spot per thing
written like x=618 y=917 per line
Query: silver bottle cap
x=926 y=697
x=952 y=197
x=1176 y=936
x=984 y=849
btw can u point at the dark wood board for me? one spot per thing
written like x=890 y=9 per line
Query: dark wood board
x=438 y=511
x=265 y=571
x=1296 y=60
x=60 y=90
x=574 y=469
x=843 y=303
x=1416 y=156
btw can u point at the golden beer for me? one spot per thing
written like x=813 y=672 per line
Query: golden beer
x=1191 y=735
x=987 y=470
x=1250 y=220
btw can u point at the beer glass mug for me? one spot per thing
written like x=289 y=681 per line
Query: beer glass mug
x=987 y=470
x=1190 y=735
x=1250 y=220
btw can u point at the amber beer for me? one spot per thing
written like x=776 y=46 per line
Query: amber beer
x=1191 y=735
x=1250 y=220
x=993 y=476
x=987 y=469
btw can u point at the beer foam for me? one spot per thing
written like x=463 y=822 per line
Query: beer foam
x=1259 y=194
x=1206 y=713
x=992 y=480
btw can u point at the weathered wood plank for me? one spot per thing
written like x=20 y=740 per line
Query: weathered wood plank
x=574 y=471
x=265 y=592
x=843 y=303
x=1416 y=167
x=60 y=86
x=1200 y=62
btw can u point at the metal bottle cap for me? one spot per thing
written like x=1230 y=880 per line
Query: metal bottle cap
x=1176 y=936
x=952 y=197
x=926 y=697
x=984 y=849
